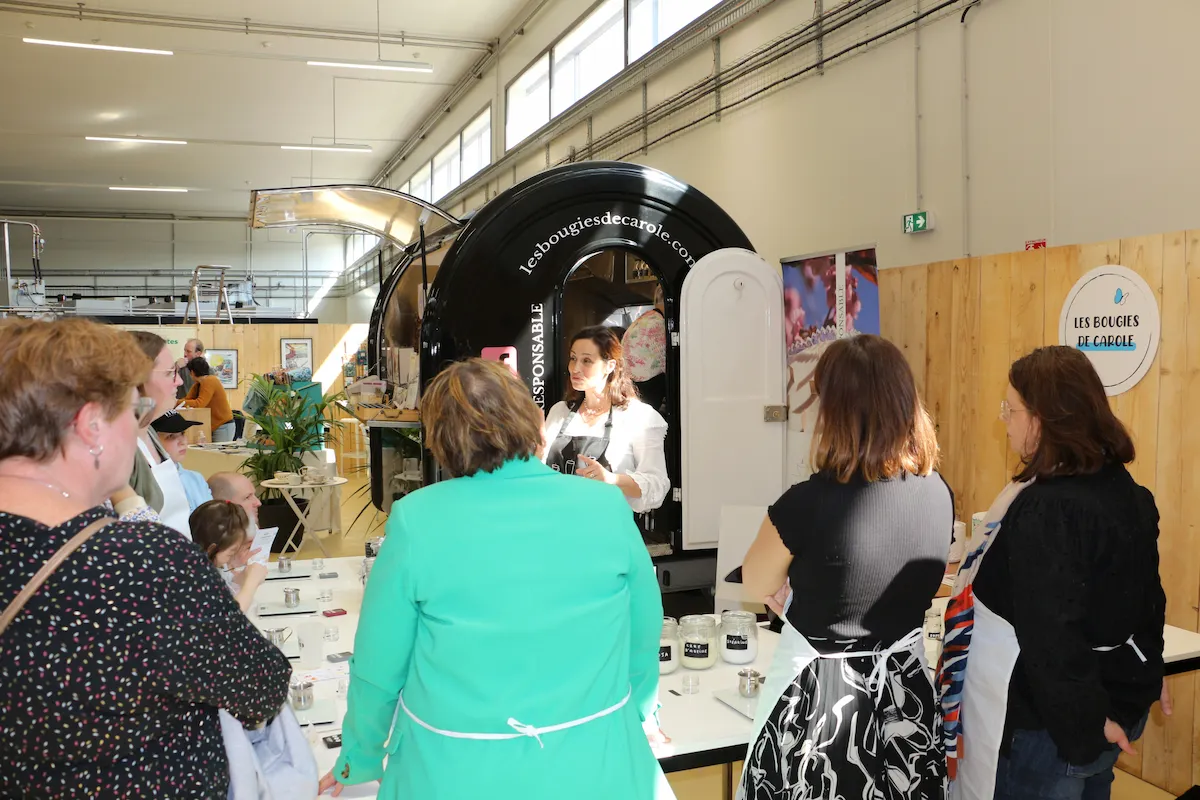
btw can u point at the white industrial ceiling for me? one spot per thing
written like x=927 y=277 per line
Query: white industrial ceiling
x=234 y=95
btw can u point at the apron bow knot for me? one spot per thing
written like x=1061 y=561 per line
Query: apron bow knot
x=526 y=730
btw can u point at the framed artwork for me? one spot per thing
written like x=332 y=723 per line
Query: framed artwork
x=638 y=271
x=224 y=364
x=296 y=356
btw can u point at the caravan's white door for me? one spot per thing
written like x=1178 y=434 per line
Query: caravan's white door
x=732 y=365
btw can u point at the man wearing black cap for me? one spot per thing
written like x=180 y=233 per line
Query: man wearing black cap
x=172 y=434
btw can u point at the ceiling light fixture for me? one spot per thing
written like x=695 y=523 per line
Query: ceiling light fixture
x=136 y=139
x=389 y=66
x=89 y=46
x=145 y=189
x=329 y=148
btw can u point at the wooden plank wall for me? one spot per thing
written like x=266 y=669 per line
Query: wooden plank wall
x=962 y=323
x=258 y=351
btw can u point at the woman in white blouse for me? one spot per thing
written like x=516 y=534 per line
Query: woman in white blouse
x=602 y=431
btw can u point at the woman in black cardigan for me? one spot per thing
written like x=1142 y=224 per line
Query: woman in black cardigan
x=1066 y=623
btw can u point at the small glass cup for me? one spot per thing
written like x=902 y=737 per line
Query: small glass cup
x=301 y=694
x=332 y=634
x=691 y=683
x=318 y=564
x=343 y=687
x=325 y=596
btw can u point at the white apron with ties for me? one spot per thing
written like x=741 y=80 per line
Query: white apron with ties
x=176 y=510
x=994 y=652
x=794 y=654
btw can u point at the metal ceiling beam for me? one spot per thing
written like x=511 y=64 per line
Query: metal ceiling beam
x=696 y=33
x=699 y=33
x=178 y=272
x=244 y=26
x=133 y=216
x=466 y=83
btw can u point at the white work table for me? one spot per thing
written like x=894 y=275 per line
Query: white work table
x=1181 y=650
x=703 y=730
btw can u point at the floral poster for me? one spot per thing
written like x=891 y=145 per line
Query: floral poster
x=825 y=297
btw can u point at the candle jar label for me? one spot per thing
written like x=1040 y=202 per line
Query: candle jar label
x=664 y=653
x=736 y=643
x=695 y=649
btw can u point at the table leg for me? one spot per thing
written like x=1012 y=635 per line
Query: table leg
x=291 y=540
x=306 y=521
x=727 y=783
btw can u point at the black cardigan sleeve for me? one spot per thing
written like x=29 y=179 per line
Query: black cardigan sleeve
x=1150 y=632
x=1050 y=591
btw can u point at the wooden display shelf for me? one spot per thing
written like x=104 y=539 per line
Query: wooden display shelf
x=367 y=412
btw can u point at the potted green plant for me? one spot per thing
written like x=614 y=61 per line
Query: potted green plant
x=291 y=420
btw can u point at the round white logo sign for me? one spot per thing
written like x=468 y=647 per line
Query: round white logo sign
x=1112 y=315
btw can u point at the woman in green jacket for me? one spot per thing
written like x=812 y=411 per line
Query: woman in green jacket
x=510 y=625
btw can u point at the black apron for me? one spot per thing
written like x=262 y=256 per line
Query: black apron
x=565 y=451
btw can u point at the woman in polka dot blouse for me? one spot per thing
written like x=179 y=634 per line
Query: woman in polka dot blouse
x=112 y=674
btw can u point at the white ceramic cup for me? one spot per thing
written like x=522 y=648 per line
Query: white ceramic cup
x=977 y=521
x=959 y=545
x=312 y=644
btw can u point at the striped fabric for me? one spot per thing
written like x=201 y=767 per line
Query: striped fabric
x=960 y=622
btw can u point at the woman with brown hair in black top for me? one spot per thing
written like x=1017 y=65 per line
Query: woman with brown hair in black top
x=848 y=709
x=1053 y=651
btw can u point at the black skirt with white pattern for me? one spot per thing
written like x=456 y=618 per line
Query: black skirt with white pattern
x=829 y=737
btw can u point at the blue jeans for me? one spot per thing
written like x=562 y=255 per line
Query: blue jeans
x=1033 y=769
x=224 y=433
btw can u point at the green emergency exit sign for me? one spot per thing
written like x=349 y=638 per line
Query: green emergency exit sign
x=918 y=222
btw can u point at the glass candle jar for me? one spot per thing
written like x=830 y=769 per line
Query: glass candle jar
x=698 y=634
x=739 y=637
x=668 y=647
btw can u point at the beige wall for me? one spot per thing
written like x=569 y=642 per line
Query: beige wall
x=348 y=310
x=1079 y=128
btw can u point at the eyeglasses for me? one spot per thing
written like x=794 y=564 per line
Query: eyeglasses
x=166 y=373
x=142 y=408
x=1006 y=410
